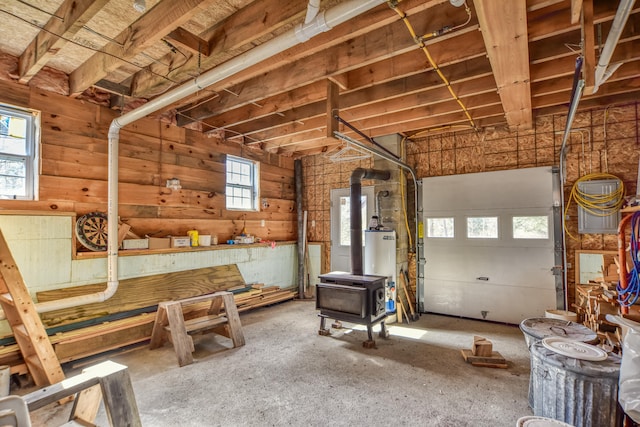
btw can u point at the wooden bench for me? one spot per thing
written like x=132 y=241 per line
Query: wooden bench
x=170 y=323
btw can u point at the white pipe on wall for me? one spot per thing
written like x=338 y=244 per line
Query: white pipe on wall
x=321 y=22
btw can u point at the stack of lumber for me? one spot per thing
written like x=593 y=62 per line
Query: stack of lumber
x=127 y=318
x=593 y=303
x=599 y=298
x=259 y=296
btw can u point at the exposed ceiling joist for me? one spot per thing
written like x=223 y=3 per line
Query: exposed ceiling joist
x=151 y=27
x=70 y=17
x=508 y=49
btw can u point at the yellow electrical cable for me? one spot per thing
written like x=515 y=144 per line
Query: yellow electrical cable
x=404 y=208
x=419 y=41
x=596 y=204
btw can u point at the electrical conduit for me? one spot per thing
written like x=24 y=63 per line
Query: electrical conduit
x=322 y=22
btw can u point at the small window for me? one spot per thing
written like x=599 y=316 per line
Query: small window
x=18 y=154
x=485 y=227
x=242 y=184
x=345 y=219
x=531 y=227
x=440 y=228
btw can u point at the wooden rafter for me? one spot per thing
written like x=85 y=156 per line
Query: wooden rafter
x=151 y=27
x=508 y=49
x=588 y=47
x=70 y=17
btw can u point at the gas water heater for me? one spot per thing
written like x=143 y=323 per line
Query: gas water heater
x=380 y=260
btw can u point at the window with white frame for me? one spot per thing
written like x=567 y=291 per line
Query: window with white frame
x=440 y=228
x=18 y=153
x=242 y=184
x=531 y=227
x=482 y=227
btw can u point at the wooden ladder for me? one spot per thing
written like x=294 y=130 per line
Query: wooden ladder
x=28 y=330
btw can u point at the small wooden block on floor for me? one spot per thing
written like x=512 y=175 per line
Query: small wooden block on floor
x=481 y=347
x=494 y=361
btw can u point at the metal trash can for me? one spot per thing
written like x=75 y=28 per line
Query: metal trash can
x=537 y=328
x=578 y=392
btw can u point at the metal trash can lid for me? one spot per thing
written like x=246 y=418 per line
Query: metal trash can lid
x=542 y=327
x=533 y=421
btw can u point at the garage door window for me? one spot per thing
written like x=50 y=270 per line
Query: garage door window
x=484 y=227
x=531 y=227
x=18 y=153
x=440 y=228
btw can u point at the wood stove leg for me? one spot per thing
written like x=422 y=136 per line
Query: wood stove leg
x=370 y=343
x=323 y=330
x=384 y=332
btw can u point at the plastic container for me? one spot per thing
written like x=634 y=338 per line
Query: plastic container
x=629 y=395
x=578 y=392
x=193 y=237
x=204 y=240
x=537 y=328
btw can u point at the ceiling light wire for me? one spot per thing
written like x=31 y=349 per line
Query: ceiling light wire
x=420 y=42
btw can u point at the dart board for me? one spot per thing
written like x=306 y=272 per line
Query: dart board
x=91 y=231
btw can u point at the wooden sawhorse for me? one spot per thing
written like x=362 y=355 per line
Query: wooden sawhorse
x=170 y=323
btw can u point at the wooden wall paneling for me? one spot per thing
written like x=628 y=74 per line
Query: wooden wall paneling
x=16 y=95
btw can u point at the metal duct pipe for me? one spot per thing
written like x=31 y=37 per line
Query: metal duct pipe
x=356 y=213
x=576 y=93
x=603 y=71
x=323 y=21
x=380 y=194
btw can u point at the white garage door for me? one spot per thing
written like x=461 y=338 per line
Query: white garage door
x=489 y=244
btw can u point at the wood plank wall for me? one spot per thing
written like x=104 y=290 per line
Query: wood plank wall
x=498 y=149
x=74 y=172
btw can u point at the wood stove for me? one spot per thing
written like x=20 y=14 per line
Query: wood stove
x=352 y=298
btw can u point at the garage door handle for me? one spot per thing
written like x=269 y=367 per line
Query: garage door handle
x=484 y=278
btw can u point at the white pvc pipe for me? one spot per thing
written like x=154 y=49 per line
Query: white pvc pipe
x=312 y=10
x=322 y=22
x=619 y=21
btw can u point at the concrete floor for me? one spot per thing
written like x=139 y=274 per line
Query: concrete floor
x=287 y=374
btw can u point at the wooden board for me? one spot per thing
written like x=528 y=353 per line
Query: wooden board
x=470 y=358
x=142 y=292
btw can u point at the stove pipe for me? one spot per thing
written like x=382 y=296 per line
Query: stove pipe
x=356 y=213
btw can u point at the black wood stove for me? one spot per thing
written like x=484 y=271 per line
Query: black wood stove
x=354 y=297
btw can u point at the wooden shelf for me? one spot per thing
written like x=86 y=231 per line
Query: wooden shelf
x=138 y=252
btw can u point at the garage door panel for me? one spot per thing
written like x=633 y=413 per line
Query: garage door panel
x=509 y=277
x=500 y=303
x=497 y=265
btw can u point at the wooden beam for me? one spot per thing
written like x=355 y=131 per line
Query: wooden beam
x=259 y=18
x=151 y=27
x=576 y=10
x=188 y=40
x=588 y=47
x=147 y=82
x=356 y=54
x=70 y=17
x=504 y=30
x=333 y=107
